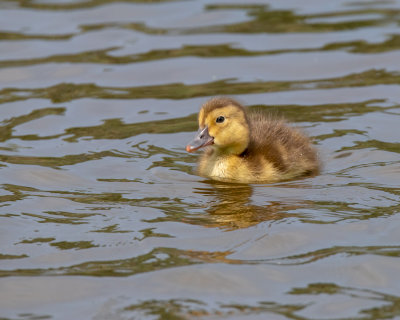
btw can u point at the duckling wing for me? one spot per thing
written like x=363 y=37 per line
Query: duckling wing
x=286 y=148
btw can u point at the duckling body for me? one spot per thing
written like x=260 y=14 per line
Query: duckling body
x=249 y=147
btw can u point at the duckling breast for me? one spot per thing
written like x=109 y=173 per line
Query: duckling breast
x=233 y=168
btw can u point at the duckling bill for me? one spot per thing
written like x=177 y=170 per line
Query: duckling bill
x=249 y=147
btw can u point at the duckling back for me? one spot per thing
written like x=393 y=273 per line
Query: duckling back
x=273 y=141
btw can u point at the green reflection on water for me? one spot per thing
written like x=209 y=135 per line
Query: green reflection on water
x=7 y=126
x=67 y=245
x=392 y=43
x=262 y=19
x=137 y=26
x=12 y=256
x=60 y=217
x=30 y=316
x=341 y=211
x=340 y=133
x=389 y=310
x=149 y=233
x=375 y=144
x=103 y=56
x=159 y=258
x=22 y=36
x=73 y=5
x=325 y=112
x=265 y=20
x=64 y=92
x=309 y=257
x=179 y=309
x=207 y=51
x=38 y=240
x=116 y=129
x=55 y=162
x=174 y=309
x=112 y=229
x=17 y=193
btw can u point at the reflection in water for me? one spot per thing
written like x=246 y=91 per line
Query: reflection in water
x=106 y=56
x=9 y=124
x=157 y=259
x=388 y=309
x=184 y=308
x=230 y=206
x=181 y=309
x=73 y=5
x=65 y=92
x=265 y=20
x=309 y=257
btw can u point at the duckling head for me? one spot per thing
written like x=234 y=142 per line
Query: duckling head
x=223 y=125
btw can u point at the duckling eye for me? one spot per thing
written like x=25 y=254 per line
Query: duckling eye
x=220 y=119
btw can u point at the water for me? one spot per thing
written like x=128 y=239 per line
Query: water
x=102 y=216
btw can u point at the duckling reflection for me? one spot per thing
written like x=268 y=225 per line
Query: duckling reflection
x=231 y=206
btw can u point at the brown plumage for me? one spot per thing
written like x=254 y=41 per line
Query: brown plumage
x=249 y=147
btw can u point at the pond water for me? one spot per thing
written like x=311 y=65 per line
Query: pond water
x=102 y=215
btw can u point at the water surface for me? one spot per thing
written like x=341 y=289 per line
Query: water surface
x=102 y=215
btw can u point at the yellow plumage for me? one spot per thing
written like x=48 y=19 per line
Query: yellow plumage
x=249 y=147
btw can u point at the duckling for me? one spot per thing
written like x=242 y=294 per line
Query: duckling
x=249 y=147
